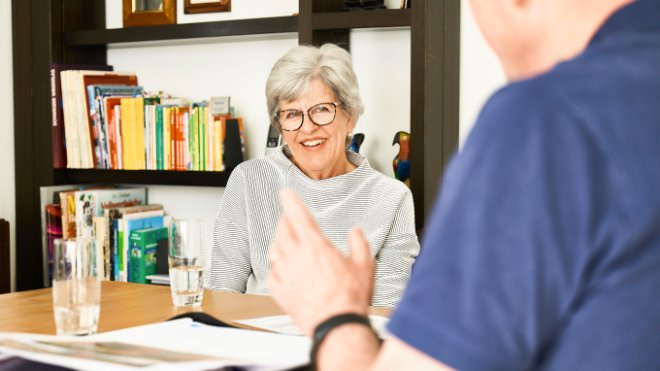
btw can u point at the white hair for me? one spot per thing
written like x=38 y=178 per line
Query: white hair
x=292 y=74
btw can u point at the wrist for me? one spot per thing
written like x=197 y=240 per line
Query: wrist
x=336 y=325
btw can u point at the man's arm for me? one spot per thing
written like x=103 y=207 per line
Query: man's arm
x=354 y=347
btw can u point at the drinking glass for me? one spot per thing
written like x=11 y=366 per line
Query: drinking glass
x=186 y=262
x=76 y=287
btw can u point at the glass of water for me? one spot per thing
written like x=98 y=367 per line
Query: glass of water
x=186 y=261
x=76 y=286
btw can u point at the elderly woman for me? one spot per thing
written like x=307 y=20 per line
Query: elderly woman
x=314 y=101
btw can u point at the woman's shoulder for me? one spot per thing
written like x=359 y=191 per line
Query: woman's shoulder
x=274 y=163
x=382 y=184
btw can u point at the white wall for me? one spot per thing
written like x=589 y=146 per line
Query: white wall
x=7 y=193
x=481 y=72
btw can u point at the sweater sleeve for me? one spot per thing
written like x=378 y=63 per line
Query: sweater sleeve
x=395 y=259
x=230 y=259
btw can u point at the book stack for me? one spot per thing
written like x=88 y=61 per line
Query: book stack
x=130 y=234
x=107 y=121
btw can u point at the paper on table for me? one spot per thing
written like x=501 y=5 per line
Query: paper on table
x=284 y=324
x=214 y=346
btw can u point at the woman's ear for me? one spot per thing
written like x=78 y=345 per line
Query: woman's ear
x=350 y=125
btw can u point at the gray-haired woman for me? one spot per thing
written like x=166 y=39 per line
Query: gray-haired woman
x=313 y=100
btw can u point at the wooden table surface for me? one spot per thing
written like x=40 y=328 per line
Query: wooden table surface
x=131 y=304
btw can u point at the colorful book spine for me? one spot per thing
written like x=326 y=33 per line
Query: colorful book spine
x=58 y=132
x=144 y=256
x=53 y=232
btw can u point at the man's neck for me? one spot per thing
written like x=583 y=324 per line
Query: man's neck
x=571 y=25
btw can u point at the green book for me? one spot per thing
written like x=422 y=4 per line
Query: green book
x=144 y=252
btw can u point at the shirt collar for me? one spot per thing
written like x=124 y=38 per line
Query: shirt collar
x=638 y=16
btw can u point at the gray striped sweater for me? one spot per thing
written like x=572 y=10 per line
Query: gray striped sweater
x=249 y=211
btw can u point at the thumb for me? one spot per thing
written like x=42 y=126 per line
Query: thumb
x=360 y=252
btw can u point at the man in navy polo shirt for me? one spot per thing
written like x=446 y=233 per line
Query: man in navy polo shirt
x=543 y=251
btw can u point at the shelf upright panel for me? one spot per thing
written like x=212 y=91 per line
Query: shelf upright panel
x=434 y=89
x=308 y=34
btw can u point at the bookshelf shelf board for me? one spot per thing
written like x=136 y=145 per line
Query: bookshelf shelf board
x=362 y=19
x=153 y=177
x=182 y=31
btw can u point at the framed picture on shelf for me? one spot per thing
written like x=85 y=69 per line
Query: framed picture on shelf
x=148 y=12
x=206 y=6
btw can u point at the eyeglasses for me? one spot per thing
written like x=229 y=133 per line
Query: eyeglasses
x=320 y=114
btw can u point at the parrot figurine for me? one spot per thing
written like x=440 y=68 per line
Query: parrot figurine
x=356 y=142
x=401 y=162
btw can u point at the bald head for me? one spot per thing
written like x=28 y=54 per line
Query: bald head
x=531 y=36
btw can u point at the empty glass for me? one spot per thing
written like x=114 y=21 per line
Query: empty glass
x=76 y=287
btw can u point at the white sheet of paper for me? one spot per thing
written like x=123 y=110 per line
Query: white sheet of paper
x=254 y=350
x=284 y=324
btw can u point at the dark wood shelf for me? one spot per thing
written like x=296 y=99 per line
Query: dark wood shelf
x=362 y=19
x=240 y=27
x=154 y=177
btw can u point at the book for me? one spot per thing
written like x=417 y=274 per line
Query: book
x=76 y=111
x=57 y=113
x=129 y=223
x=90 y=203
x=132 y=129
x=113 y=121
x=144 y=256
x=103 y=254
x=233 y=145
x=68 y=209
x=159 y=279
x=112 y=217
x=88 y=78
x=49 y=195
x=219 y=105
x=98 y=117
x=53 y=231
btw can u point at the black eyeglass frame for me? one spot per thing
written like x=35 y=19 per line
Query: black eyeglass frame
x=302 y=121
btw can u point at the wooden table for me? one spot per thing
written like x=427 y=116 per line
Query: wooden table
x=131 y=304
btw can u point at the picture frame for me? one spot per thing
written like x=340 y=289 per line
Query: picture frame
x=148 y=12
x=206 y=6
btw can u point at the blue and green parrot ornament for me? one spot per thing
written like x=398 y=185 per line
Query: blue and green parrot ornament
x=356 y=142
x=401 y=162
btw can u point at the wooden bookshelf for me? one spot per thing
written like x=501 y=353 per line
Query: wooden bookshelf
x=164 y=177
x=73 y=31
x=242 y=27
x=362 y=19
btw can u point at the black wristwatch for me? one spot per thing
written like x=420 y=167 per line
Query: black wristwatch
x=323 y=329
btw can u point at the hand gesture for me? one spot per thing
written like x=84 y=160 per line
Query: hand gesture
x=309 y=278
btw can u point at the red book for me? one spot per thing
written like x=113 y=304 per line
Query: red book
x=58 y=138
x=53 y=232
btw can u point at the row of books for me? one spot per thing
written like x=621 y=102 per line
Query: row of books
x=130 y=234
x=104 y=119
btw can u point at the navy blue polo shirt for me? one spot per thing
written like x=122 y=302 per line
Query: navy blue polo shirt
x=543 y=251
